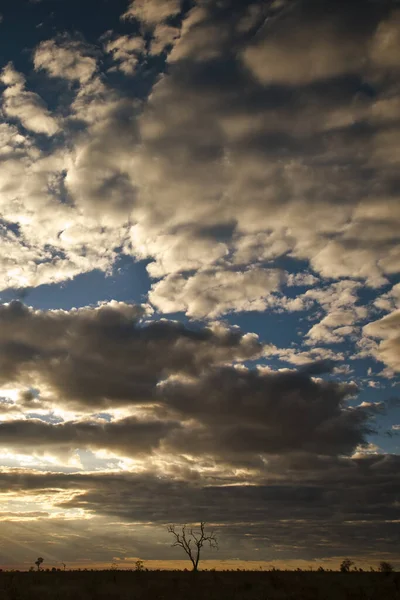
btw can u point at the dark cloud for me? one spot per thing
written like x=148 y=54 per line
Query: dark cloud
x=339 y=508
x=228 y=416
x=130 y=436
x=108 y=355
x=253 y=412
x=198 y=402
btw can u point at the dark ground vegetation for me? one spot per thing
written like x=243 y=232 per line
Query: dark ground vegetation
x=218 y=585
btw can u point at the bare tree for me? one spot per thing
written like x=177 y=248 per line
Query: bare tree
x=192 y=541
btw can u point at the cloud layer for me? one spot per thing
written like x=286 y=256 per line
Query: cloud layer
x=247 y=155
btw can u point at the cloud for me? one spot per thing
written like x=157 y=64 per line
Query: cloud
x=335 y=505
x=386 y=43
x=154 y=16
x=152 y=12
x=343 y=312
x=390 y=300
x=111 y=357
x=99 y=170
x=104 y=356
x=387 y=330
x=125 y=51
x=127 y=437
x=252 y=161
x=260 y=173
x=66 y=59
x=255 y=413
x=26 y=107
x=299 y=358
x=210 y=293
x=228 y=416
x=292 y=51
x=163 y=36
x=267 y=157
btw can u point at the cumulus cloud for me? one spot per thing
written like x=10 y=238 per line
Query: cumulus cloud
x=266 y=413
x=297 y=357
x=275 y=172
x=66 y=59
x=154 y=17
x=210 y=293
x=281 y=173
x=111 y=356
x=26 y=107
x=152 y=12
x=163 y=36
x=105 y=356
x=125 y=51
x=343 y=313
x=388 y=331
x=265 y=163
x=390 y=300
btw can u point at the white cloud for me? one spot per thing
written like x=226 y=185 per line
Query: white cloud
x=163 y=35
x=388 y=331
x=213 y=172
x=390 y=300
x=152 y=12
x=26 y=107
x=66 y=59
x=343 y=313
x=211 y=293
x=125 y=51
x=298 y=357
x=302 y=279
x=45 y=239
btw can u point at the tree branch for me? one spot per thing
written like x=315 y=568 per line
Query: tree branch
x=185 y=539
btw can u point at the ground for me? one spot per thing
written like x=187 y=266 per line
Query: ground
x=232 y=585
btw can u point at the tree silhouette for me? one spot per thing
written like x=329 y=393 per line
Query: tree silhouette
x=139 y=565
x=192 y=541
x=385 y=567
x=38 y=562
x=345 y=565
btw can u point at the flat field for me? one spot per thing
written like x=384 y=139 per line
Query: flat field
x=218 y=585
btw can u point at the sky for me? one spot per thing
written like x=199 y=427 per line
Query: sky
x=199 y=280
